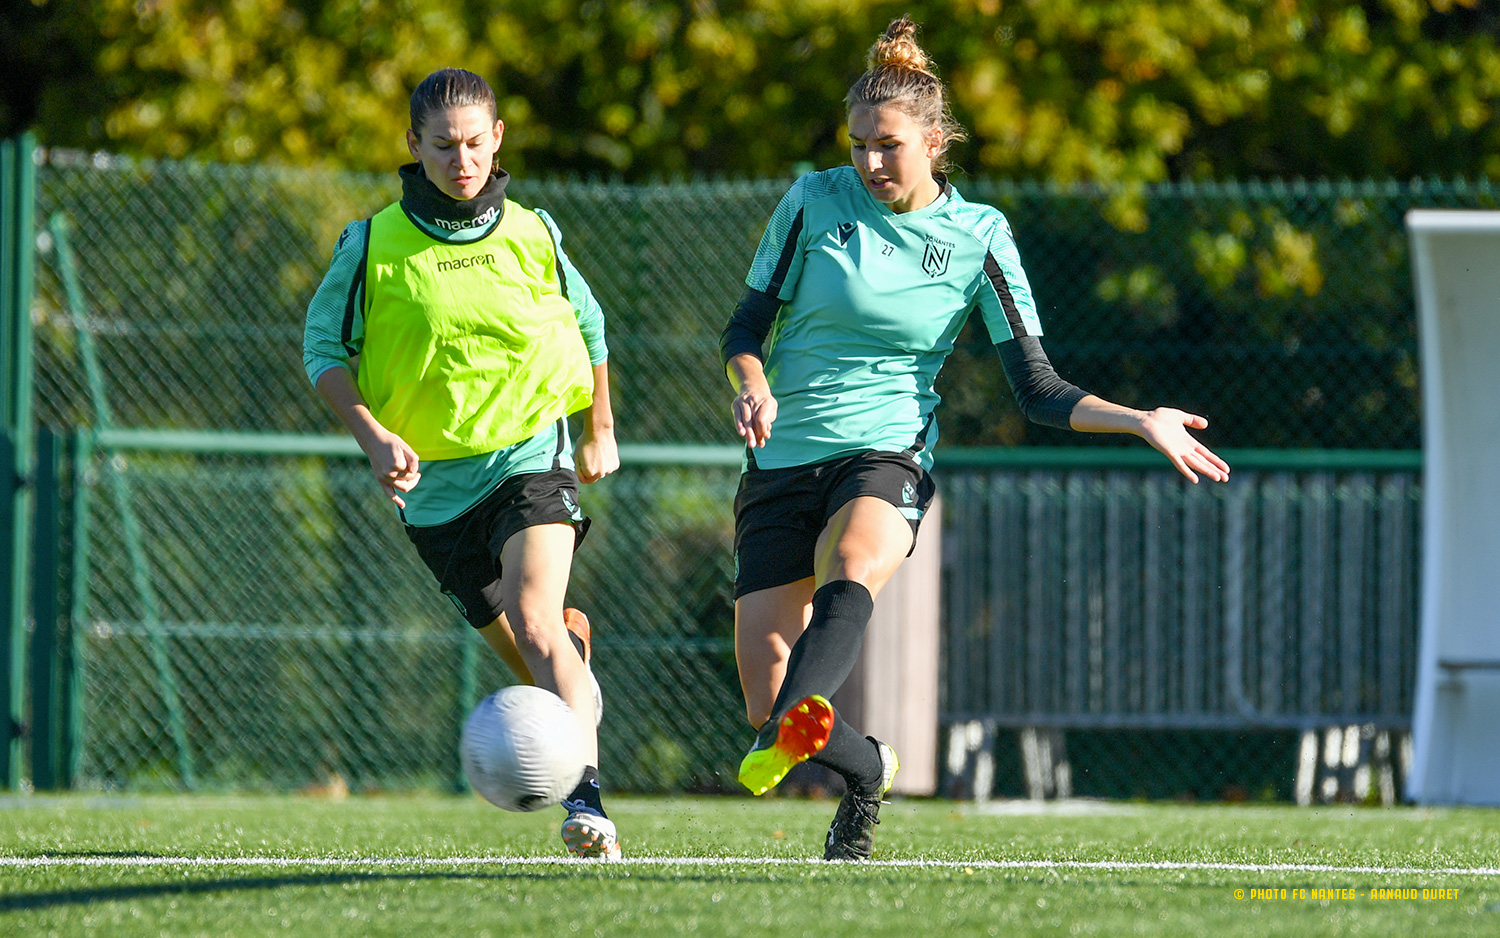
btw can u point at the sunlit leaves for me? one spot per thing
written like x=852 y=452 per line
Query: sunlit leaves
x=1130 y=90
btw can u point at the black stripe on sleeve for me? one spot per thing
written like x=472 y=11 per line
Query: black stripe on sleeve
x=1002 y=290
x=356 y=288
x=788 y=251
x=561 y=438
x=749 y=325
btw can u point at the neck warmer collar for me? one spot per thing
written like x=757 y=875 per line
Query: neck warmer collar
x=427 y=203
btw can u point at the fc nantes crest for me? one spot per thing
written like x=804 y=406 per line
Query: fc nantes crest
x=935 y=259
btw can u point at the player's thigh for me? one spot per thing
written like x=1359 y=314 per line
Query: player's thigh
x=865 y=541
x=535 y=563
x=767 y=624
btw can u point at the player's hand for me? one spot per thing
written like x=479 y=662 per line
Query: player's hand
x=754 y=412
x=598 y=454
x=395 y=465
x=1166 y=428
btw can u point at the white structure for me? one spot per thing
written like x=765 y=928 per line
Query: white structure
x=1456 y=726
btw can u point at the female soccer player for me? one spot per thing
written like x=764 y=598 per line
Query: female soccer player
x=864 y=277
x=453 y=337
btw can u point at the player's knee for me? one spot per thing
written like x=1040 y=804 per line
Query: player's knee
x=536 y=631
x=870 y=570
x=858 y=567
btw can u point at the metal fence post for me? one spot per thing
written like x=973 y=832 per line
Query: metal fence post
x=131 y=533
x=80 y=537
x=46 y=657
x=17 y=243
x=468 y=696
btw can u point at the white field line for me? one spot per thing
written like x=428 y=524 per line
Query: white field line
x=452 y=862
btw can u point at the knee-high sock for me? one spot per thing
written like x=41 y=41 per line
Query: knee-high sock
x=820 y=662
x=853 y=756
x=824 y=655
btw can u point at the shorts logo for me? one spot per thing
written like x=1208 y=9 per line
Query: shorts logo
x=846 y=231
x=935 y=259
x=571 y=505
x=908 y=494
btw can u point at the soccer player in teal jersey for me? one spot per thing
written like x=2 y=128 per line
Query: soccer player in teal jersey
x=863 y=279
x=453 y=337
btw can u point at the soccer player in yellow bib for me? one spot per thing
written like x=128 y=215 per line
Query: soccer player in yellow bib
x=453 y=337
x=863 y=279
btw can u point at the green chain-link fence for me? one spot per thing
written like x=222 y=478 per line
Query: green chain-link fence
x=1284 y=311
x=256 y=618
x=271 y=627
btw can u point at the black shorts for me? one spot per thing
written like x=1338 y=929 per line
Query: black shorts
x=464 y=554
x=779 y=513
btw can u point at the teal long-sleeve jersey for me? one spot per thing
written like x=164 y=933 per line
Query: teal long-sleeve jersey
x=867 y=305
x=334 y=334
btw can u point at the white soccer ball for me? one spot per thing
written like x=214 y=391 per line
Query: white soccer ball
x=522 y=748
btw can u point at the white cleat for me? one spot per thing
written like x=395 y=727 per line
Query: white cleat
x=589 y=835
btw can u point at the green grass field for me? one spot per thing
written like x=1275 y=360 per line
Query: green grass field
x=432 y=865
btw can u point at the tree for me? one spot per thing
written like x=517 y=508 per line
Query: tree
x=1131 y=90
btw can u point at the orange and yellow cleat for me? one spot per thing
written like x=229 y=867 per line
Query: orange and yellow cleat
x=802 y=734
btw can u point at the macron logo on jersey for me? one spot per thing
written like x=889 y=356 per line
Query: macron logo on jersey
x=846 y=231
x=477 y=222
x=459 y=263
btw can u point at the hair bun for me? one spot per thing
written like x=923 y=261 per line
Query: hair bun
x=900 y=75
x=898 y=49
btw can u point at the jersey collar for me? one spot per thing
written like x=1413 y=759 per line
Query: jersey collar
x=945 y=194
x=437 y=210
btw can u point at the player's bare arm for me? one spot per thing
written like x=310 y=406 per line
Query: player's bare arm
x=754 y=407
x=394 y=463
x=1165 y=428
x=598 y=453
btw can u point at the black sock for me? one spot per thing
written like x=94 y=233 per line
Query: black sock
x=587 y=792
x=853 y=756
x=824 y=655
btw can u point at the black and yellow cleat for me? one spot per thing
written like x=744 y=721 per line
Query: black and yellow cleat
x=802 y=734
x=851 y=835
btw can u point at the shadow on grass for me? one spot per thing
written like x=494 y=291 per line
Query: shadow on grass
x=734 y=875
x=66 y=897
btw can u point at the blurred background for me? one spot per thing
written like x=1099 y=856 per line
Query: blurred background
x=207 y=591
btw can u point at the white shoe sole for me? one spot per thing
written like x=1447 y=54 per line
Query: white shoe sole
x=591 y=836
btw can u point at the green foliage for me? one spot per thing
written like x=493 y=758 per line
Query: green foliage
x=1133 y=90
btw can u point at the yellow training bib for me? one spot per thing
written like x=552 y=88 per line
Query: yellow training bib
x=469 y=347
